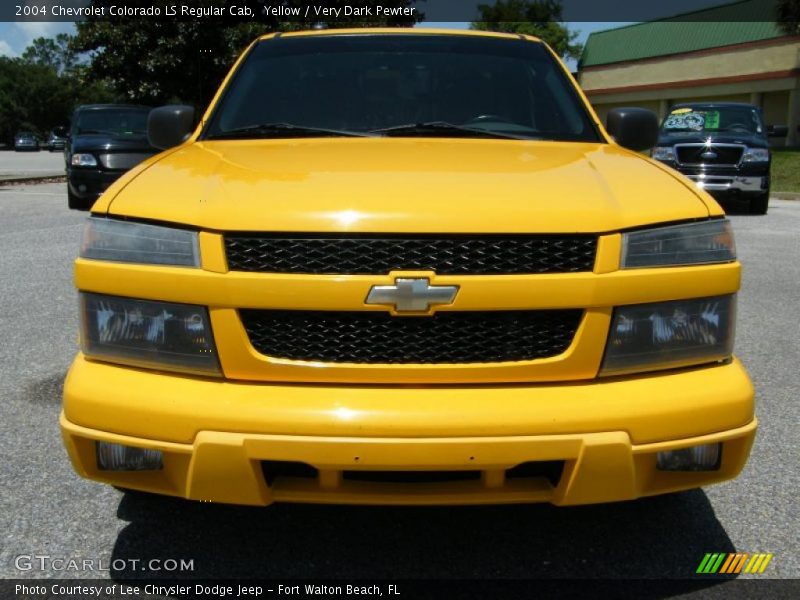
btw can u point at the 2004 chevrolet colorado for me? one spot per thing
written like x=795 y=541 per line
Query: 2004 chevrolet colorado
x=406 y=267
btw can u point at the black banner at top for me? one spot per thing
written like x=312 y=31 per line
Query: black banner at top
x=364 y=11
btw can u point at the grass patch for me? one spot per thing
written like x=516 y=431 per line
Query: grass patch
x=785 y=171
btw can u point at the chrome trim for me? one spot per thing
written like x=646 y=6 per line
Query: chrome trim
x=412 y=295
x=710 y=147
x=725 y=183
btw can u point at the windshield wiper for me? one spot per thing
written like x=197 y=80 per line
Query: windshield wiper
x=279 y=130
x=448 y=129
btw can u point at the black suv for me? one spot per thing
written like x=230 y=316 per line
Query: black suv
x=721 y=146
x=105 y=141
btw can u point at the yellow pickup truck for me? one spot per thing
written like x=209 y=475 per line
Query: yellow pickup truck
x=399 y=266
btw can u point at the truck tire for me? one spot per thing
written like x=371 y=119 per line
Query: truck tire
x=759 y=204
x=76 y=203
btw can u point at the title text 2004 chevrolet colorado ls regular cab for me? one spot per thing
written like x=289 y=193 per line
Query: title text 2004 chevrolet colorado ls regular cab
x=402 y=266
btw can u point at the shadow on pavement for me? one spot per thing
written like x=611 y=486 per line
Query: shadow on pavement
x=737 y=206
x=662 y=537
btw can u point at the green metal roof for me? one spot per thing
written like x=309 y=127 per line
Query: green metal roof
x=699 y=30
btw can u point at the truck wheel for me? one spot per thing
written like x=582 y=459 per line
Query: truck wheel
x=759 y=204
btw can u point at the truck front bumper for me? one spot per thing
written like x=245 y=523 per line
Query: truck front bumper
x=90 y=183
x=256 y=443
x=731 y=183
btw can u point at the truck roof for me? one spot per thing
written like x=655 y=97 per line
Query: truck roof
x=399 y=30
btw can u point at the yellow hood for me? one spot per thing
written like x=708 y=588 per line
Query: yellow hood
x=404 y=185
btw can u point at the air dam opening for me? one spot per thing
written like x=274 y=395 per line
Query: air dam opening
x=411 y=476
x=273 y=469
x=549 y=470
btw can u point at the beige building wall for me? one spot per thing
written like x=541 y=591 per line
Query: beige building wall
x=602 y=109
x=736 y=62
x=765 y=75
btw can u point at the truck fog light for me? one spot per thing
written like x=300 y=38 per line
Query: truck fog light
x=116 y=457
x=696 y=458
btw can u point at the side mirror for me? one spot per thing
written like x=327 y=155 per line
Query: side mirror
x=168 y=126
x=633 y=128
x=777 y=130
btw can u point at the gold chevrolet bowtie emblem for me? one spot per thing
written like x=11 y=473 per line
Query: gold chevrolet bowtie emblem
x=412 y=294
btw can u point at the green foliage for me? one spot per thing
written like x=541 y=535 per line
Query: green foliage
x=52 y=52
x=34 y=96
x=785 y=171
x=788 y=16
x=539 y=18
x=30 y=97
x=154 y=61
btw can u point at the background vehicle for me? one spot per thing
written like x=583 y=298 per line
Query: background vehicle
x=721 y=146
x=105 y=141
x=26 y=140
x=57 y=138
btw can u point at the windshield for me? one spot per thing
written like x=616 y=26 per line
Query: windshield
x=451 y=85
x=119 y=122
x=743 y=119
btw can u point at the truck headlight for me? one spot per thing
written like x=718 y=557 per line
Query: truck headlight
x=144 y=333
x=126 y=241
x=689 y=244
x=83 y=160
x=664 y=335
x=755 y=155
x=663 y=153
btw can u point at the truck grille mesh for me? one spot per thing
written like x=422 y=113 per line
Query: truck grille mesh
x=377 y=337
x=723 y=155
x=365 y=255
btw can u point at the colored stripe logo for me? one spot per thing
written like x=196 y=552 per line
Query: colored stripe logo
x=734 y=563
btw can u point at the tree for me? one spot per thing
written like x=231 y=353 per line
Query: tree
x=540 y=18
x=40 y=89
x=153 y=61
x=31 y=97
x=52 y=52
x=788 y=16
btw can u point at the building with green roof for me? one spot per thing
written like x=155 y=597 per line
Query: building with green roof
x=705 y=55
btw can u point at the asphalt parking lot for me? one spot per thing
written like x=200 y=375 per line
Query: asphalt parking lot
x=47 y=509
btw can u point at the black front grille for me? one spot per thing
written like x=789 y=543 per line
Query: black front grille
x=366 y=254
x=715 y=155
x=123 y=160
x=377 y=337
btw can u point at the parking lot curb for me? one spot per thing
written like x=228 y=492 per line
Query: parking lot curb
x=31 y=177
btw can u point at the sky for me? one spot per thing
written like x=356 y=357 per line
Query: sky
x=15 y=37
